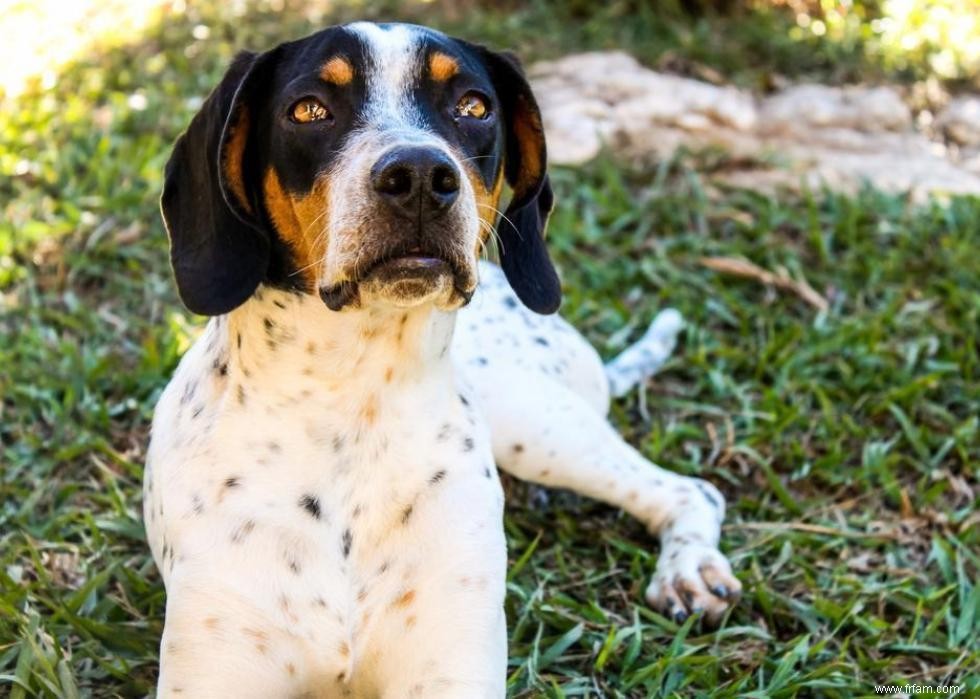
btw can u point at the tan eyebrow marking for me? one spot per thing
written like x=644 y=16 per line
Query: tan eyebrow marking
x=442 y=67
x=337 y=70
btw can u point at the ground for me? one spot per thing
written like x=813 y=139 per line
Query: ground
x=846 y=440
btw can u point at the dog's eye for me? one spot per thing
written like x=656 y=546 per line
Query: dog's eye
x=309 y=109
x=472 y=105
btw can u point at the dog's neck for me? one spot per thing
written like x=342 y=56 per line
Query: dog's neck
x=277 y=331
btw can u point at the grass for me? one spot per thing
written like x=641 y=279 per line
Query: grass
x=846 y=441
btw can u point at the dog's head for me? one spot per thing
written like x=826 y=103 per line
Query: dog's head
x=364 y=163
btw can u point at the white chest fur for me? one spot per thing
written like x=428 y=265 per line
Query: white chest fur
x=318 y=469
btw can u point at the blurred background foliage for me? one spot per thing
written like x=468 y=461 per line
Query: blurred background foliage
x=742 y=39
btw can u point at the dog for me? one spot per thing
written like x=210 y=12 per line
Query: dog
x=321 y=493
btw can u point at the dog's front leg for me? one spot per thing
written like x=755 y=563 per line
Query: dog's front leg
x=217 y=645
x=545 y=433
x=447 y=638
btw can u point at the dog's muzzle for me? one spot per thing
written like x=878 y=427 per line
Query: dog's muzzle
x=415 y=189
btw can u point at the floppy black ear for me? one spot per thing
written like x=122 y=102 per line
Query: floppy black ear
x=218 y=248
x=523 y=254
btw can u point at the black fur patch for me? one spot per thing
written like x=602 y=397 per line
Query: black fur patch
x=311 y=504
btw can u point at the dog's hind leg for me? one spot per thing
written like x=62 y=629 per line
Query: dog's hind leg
x=544 y=432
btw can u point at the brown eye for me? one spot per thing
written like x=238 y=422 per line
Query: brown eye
x=472 y=105
x=309 y=109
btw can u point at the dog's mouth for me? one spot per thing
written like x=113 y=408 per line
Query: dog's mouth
x=414 y=274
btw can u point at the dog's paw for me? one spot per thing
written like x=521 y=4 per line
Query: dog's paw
x=693 y=579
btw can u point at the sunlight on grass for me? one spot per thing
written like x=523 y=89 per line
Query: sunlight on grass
x=941 y=36
x=42 y=35
x=946 y=33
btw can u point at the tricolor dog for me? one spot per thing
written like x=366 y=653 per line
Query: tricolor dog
x=321 y=490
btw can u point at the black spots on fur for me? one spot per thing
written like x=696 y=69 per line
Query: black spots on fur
x=311 y=503
x=238 y=340
x=233 y=482
x=437 y=477
x=220 y=366
x=274 y=447
x=511 y=303
x=197 y=504
x=240 y=394
x=407 y=513
x=346 y=541
x=468 y=444
x=169 y=555
x=481 y=361
x=270 y=328
x=444 y=432
x=190 y=388
x=293 y=563
x=712 y=500
x=462 y=399
x=338 y=444
x=278 y=304
x=542 y=341
x=518 y=448
x=486 y=472
x=197 y=412
x=242 y=531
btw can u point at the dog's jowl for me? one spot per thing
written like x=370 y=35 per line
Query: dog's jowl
x=321 y=493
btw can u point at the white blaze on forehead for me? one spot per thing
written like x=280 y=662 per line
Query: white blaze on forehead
x=393 y=68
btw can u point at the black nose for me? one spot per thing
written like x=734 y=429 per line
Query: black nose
x=418 y=183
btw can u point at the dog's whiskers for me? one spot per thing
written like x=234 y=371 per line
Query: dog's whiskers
x=494 y=233
x=499 y=213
